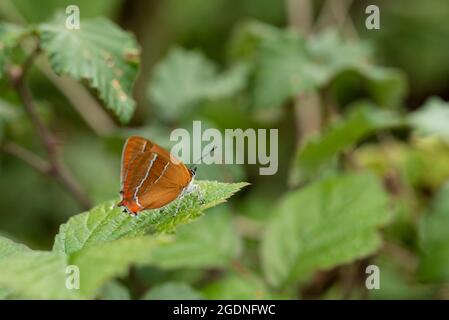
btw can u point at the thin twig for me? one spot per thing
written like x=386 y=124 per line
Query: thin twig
x=54 y=168
x=80 y=98
x=27 y=156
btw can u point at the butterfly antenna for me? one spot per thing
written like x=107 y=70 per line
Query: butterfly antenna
x=194 y=165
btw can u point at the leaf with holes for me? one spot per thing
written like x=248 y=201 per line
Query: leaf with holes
x=99 y=52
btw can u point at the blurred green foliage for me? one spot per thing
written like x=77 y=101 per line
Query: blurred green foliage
x=369 y=186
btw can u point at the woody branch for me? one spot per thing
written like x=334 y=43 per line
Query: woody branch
x=52 y=167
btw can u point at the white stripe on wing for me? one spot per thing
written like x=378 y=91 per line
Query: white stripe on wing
x=147 y=174
x=162 y=173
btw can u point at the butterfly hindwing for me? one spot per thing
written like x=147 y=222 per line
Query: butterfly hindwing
x=165 y=182
x=151 y=177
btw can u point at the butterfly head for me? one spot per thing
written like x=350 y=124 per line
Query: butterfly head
x=193 y=171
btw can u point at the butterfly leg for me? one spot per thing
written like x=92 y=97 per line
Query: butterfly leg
x=189 y=189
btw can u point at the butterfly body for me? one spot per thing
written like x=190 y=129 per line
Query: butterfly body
x=151 y=177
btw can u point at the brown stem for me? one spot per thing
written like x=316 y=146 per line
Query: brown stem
x=54 y=166
x=27 y=156
x=335 y=14
x=306 y=105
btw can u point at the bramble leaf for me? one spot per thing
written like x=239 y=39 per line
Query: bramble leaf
x=197 y=245
x=106 y=223
x=98 y=264
x=36 y=275
x=99 y=52
x=8 y=247
x=287 y=64
x=185 y=78
x=325 y=224
x=104 y=242
x=44 y=274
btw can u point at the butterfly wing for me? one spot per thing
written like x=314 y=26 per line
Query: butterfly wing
x=165 y=183
x=153 y=178
x=134 y=146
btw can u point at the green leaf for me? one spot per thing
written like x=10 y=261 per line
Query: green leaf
x=36 y=275
x=319 y=150
x=333 y=54
x=197 y=245
x=328 y=223
x=43 y=275
x=10 y=36
x=247 y=36
x=385 y=86
x=234 y=286
x=103 y=243
x=4 y=294
x=172 y=291
x=106 y=223
x=98 y=264
x=432 y=118
x=282 y=70
x=288 y=65
x=395 y=284
x=34 y=12
x=8 y=247
x=99 y=52
x=185 y=78
x=434 y=239
x=114 y=290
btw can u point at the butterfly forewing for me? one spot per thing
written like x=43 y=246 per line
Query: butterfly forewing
x=134 y=146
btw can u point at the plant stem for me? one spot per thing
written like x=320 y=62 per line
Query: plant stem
x=306 y=105
x=54 y=165
x=335 y=14
x=32 y=159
